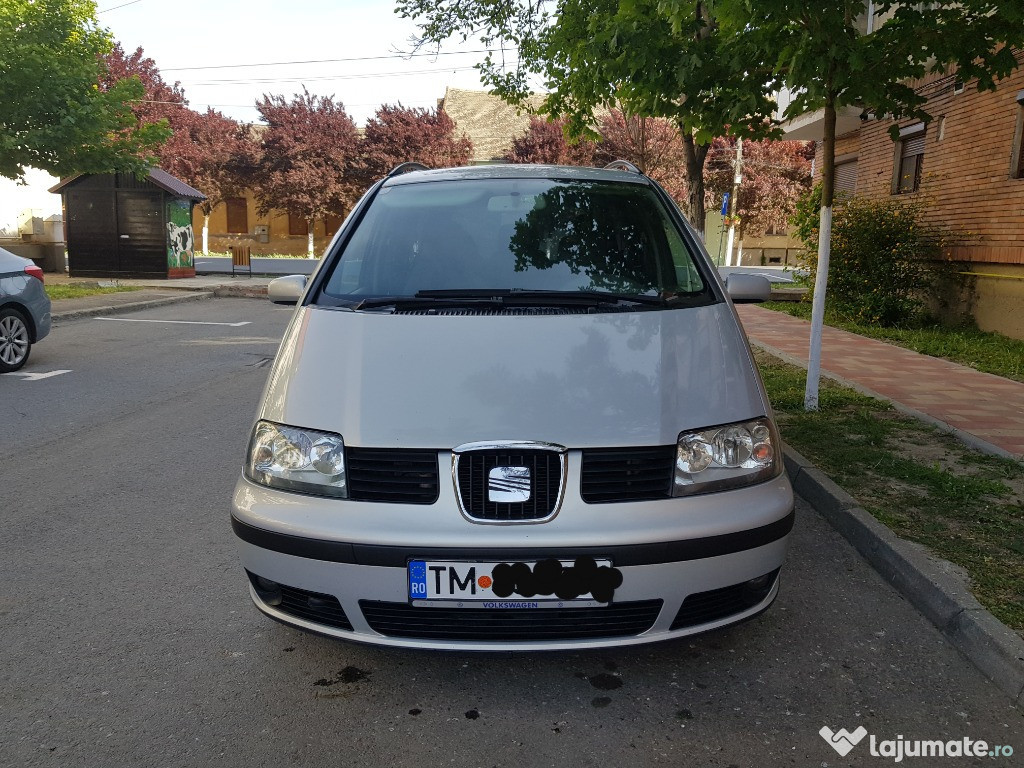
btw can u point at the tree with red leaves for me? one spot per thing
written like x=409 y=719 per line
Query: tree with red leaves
x=397 y=134
x=775 y=174
x=307 y=158
x=652 y=144
x=207 y=150
x=545 y=142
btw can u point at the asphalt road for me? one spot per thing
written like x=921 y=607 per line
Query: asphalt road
x=127 y=637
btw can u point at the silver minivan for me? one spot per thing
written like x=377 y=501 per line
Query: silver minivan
x=514 y=409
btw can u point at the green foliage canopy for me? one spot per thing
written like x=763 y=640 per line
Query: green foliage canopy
x=53 y=115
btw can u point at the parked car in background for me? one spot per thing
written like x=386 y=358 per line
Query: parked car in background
x=24 y=310
x=514 y=409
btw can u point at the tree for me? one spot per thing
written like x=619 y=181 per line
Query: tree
x=396 y=134
x=306 y=158
x=607 y=54
x=207 y=150
x=828 y=64
x=545 y=142
x=652 y=144
x=775 y=175
x=53 y=116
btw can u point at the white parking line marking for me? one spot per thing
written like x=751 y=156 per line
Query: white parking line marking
x=25 y=376
x=173 y=322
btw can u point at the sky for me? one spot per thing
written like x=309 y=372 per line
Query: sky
x=201 y=43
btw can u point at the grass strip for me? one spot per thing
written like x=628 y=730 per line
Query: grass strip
x=981 y=350
x=77 y=291
x=923 y=484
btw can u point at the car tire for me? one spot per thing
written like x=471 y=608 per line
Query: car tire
x=15 y=340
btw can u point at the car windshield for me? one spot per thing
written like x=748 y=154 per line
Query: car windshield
x=513 y=237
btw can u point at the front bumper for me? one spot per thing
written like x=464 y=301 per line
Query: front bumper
x=343 y=573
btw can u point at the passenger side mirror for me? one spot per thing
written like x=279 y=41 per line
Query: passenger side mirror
x=748 y=288
x=287 y=290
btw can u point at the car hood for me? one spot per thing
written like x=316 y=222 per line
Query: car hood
x=438 y=381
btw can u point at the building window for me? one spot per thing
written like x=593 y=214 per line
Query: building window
x=909 y=157
x=846 y=177
x=331 y=225
x=297 y=225
x=1017 y=166
x=238 y=216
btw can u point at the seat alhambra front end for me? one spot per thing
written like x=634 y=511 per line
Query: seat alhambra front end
x=514 y=409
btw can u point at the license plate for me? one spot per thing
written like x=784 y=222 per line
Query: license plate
x=584 y=582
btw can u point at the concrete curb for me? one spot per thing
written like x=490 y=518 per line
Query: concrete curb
x=241 y=291
x=934 y=586
x=132 y=306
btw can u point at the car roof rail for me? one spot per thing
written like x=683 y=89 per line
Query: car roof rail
x=412 y=165
x=623 y=165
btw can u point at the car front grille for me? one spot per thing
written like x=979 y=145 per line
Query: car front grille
x=473 y=470
x=392 y=475
x=627 y=474
x=705 y=607
x=510 y=625
x=303 y=604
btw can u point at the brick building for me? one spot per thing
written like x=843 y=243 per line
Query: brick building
x=966 y=166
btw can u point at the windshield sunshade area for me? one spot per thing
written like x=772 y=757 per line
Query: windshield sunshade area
x=502 y=240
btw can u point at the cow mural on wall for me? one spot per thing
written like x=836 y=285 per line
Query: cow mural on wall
x=180 y=242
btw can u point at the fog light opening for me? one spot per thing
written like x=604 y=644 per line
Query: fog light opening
x=762 y=585
x=268 y=591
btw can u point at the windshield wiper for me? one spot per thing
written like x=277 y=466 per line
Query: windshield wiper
x=521 y=296
x=420 y=300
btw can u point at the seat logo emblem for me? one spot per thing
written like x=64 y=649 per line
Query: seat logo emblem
x=508 y=485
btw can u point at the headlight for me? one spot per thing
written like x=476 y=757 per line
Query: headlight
x=297 y=459
x=725 y=457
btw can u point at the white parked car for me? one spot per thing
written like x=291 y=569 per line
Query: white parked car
x=514 y=409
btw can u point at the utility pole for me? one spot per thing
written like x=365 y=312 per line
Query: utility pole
x=736 y=179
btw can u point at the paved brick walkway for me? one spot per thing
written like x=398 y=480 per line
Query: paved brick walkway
x=988 y=408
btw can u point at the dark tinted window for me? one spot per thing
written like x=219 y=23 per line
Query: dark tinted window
x=508 y=234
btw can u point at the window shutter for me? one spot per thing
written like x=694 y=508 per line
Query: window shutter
x=297 y=225
x=238 y=215
x=846 y=177
x=913 y=145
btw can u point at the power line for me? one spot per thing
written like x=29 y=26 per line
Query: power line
x=328 y=61
x=321 y=78
x=123 y=5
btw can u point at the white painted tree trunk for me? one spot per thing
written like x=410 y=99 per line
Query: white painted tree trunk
x=206 y=234
x=818 y=310
x=309 y=240
x=728 y=245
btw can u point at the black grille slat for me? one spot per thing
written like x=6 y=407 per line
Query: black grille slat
x=385 y=474
x=627 y=474
x=504 y=625
x=545 y=483
x=716 y=604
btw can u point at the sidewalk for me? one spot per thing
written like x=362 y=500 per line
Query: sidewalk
x=983 y=410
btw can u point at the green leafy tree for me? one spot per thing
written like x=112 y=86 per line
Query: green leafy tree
x=53 y=114
x=601 y=54
x=824 y=57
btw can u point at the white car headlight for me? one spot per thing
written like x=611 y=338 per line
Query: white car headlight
x=725 y=457
x=296 y=459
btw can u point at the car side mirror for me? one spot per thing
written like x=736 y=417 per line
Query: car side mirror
x=286 y=290
x=748 y=288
